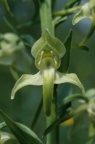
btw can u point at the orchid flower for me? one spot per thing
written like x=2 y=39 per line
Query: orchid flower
x=86 y=11
x=47 y=51
x=9 y=44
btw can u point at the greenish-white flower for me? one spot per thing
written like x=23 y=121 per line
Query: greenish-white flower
x=86 y=11
x=48 y=51
x=9 y=44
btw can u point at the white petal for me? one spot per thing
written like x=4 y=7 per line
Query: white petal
x=25 y=80
x=68 y=78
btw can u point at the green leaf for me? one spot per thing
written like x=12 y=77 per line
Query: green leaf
x=21 y=132
x=36 y=12
x=68 y=78
x=76 y=46
x=56 y=123
x=25 y=80
x=6 y=7
x=67 y=102
x=64 y=117
x=37 y=114
x=66 y=59
x=5 y=136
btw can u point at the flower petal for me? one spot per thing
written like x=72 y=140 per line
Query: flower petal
x=68 y=78
x=48 y=85
x=85 y=12
x=25 y=80
x=47 y=38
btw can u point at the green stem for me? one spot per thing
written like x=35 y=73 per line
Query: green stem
x=53 y=136
x=66 y=12
x=46 y=16
x=46 y=23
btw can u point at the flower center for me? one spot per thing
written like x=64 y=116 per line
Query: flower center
x=47 y=58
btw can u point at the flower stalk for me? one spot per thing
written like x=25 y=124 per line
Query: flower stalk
x=46 y=16
x=66 y=12
x=48 y=51
x=48 y=74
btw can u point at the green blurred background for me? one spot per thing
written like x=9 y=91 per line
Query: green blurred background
x=24 y=106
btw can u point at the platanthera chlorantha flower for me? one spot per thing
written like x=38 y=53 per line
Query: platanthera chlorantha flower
x=47 y=51
x=9 y=44
x=86 y=11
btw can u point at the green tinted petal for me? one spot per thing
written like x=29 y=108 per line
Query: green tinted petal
x=85 y=12
x=90 y=93
x=48 y=85
x=55 y=44
x=48 y=49
x=68 y=78
x=27 y=80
